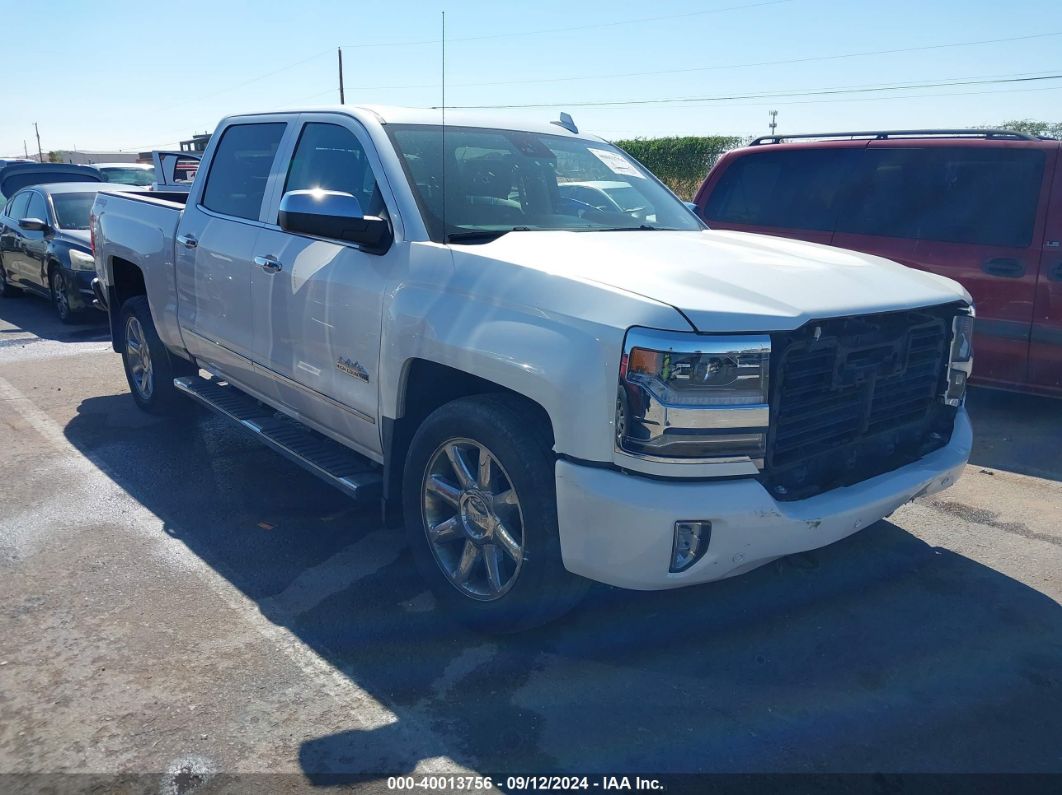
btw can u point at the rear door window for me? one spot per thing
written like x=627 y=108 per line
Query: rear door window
x=974 y=195
x=240 y=170
x=796 y=189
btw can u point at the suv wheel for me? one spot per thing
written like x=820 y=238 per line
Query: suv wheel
x=480 y=510
x=149 y=367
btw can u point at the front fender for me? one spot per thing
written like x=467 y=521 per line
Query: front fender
x=553 y=340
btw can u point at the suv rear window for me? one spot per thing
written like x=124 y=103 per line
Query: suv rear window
x=963 y=194
x=796 y=189
x=238 y=174
x=976 y=195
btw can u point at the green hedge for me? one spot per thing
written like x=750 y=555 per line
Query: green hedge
x=679 y=162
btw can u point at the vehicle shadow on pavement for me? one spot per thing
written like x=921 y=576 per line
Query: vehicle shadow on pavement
x=29 y=314
x=879 y=653
x=1017 y=433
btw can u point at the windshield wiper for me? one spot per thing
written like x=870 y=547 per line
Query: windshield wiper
x=482 y=235
x=641 y=228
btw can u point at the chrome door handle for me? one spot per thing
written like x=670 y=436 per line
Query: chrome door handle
x=188 y=241
x=268 y=264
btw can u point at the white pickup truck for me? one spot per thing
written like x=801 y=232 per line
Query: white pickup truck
x=553 y=388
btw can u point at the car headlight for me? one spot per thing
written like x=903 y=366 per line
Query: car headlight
x=960 y=360
x=80 y=261
x=693 y=398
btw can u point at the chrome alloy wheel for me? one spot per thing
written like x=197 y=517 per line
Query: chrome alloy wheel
x=138 y=357
x=472 y=518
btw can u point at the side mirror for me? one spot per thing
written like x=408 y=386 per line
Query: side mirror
x=333 y=214
x=691 y=206
x=33 y=225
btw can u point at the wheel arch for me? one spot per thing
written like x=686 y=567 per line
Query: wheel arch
x=425 y=386
x=127 y=281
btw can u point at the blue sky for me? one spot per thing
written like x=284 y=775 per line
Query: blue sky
x=130 y=75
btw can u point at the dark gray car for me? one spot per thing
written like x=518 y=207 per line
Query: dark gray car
x=45 y=247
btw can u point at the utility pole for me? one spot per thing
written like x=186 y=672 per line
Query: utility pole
x=25 y=148
x=40 y=152
x=774 y=121
x=342 y=98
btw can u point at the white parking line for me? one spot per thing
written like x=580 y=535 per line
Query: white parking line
x=125 y=512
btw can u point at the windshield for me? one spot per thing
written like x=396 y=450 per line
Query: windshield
x=141 y=177
x=497 y=181
x=72 y=209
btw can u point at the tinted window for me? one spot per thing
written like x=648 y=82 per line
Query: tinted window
x=237 y=180
x=25 y=180
x=788 y=189
x=981 y=196
x=72 y=209
x=886 y=194
x=37 y=207
x=141 y=177
x=329 y=157
x=16 y=208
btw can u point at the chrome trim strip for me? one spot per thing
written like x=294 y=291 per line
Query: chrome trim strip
x=716 y=417
x=261 y=368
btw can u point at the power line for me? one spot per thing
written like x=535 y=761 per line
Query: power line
x=724 y=67
x=724 y=98
x=594 y=26
x=247 y=82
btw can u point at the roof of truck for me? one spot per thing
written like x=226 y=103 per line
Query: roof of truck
x=392 y=114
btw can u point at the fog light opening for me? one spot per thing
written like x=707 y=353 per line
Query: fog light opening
x=690 y=544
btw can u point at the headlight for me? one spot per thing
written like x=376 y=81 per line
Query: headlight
x=960 y=361
x=80 y=261
x=693 y=398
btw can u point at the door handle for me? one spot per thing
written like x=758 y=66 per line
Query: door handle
x=188 y=241
x=268 y=264
x=1007 y=268
x=1055 y=274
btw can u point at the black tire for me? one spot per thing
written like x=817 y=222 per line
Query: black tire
x=7 y=290
x=512 y=431
x=60 y=291
x=162 y=397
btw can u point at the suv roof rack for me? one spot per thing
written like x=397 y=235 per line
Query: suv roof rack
x=881 y=135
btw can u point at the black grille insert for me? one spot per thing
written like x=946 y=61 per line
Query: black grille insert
x=852 y=398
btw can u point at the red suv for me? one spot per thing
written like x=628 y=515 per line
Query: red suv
x=981 y=206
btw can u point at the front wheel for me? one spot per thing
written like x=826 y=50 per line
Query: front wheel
x=149 y=367
x=61 y=297
x=480 y=509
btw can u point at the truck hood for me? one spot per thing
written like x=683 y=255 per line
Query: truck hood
x=729 y=281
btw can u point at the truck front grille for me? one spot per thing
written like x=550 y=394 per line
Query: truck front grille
x=855 y=397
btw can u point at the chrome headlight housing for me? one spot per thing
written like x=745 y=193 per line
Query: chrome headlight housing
x=960 y=359
x=80 y=261
x=693 y=398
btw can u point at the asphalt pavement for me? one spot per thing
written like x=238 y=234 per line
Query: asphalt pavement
x=178 y=602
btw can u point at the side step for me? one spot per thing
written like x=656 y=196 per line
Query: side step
x=351 y=473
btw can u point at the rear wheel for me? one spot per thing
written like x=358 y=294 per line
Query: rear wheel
x=7 y=290
x=480 y=510
x=149 y=367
